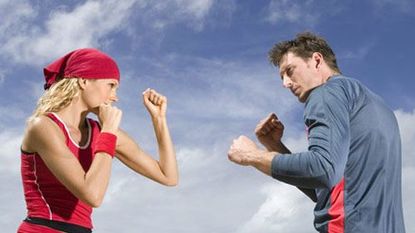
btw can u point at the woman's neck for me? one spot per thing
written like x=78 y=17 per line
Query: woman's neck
x=74 y=115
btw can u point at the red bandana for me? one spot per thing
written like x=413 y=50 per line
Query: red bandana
x=85 y=63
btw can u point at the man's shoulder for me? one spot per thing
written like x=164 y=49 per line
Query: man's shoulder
x=342 y=81
x=337 y=88
x=341 y=85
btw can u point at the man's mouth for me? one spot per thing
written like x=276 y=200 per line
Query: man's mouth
x=295 y=91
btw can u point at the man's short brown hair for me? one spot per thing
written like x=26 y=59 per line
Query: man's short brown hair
x=304 y=45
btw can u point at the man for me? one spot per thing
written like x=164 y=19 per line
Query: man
x=352 y=168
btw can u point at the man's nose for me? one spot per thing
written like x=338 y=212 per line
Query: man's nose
x=286 y=82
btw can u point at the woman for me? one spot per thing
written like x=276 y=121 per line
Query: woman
x=66 y=157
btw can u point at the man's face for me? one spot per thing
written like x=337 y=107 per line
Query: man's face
x=299 y=75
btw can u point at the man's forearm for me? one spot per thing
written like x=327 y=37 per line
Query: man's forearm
x=278 y=147
x=262 y=161
x=282 y=149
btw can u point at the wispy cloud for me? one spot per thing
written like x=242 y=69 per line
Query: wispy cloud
x=160 y=14
x=358 y=53
x=307 y=13
x=28 y=40
x=192 y=13
x=213 y=86
x=85 y=26
x=283 y=206
x=14 y=16
x=10 y=150
x=408 y=192
x=406 y=122
x=289 y=11
x=403 y=6
x=2 y=77
x=208 y=186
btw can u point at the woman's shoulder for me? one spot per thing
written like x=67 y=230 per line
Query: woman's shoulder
x=39 y=124
x=40 y=128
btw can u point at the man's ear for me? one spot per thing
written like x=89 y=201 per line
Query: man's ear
x=318 y=59
x=82 y=83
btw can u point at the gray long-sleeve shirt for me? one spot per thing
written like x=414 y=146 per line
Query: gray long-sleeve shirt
x=352 y=168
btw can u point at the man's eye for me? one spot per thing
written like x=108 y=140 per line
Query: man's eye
x=289 y=72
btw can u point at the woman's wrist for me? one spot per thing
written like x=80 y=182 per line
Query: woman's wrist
x=106 y=142
x=110 y=130
x=158 y=119
x=159 y=122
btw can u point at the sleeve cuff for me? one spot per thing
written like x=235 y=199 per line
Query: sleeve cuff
x=274 y=166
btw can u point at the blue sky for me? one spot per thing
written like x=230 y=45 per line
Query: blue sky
x=210 y=59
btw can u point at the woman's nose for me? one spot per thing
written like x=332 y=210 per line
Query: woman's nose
x=113 y=98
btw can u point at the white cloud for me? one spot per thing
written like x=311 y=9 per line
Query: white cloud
x=403 y=6
x=215 y=87
x=12 y=209
x=298 y=143
x=307 y=13
x=292 y=11
x=208 y=186
x=2 y=77
x=11 y=140
x=406 y=121
x=14 y=14
x=283 y=207
x=84 y=26
x=408 y=192
x=27 y=40
x=197 y=9
x=159 y=15
x=284 y=204
x=359 y=53
x=192 y=161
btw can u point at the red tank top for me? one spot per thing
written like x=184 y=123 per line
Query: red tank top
x=45 y=196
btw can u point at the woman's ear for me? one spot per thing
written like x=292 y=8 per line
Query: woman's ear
x=82 y=83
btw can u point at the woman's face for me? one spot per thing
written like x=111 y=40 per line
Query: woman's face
x=100 y=91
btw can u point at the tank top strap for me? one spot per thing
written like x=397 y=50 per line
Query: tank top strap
x=95 y=127
x=54 y=118
x=94 y=124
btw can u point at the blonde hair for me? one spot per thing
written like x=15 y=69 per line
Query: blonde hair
x=57 y=97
